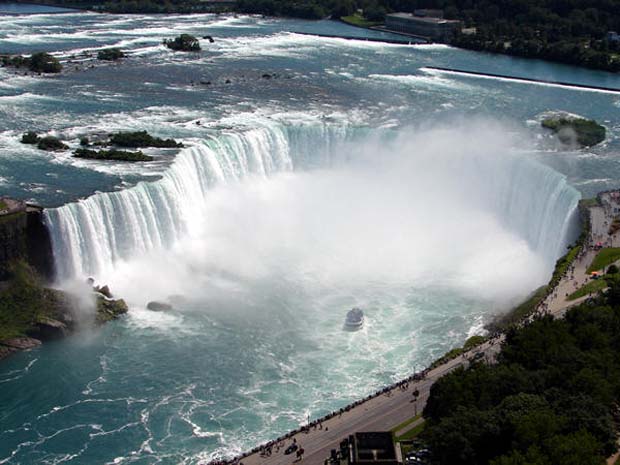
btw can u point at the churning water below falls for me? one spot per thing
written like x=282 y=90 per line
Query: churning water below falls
x=352 y=177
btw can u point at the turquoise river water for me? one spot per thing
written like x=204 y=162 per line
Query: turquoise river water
x=318 y=174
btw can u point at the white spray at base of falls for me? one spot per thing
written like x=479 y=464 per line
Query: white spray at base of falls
x=444 y=166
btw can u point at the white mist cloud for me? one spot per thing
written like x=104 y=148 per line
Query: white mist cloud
x=418 y=211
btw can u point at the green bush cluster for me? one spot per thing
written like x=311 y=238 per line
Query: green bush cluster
x=550 y=399
x=22 y=303
x=587 y=132
x=38 y=62
x=139 y=139
x=117 y=155
x=110 y=54
x=30 y=137
x=51 y=144
x=183 y=43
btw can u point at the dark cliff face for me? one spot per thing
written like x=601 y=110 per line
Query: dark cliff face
x=39 y=245
x=13 y=240
x=24 y=236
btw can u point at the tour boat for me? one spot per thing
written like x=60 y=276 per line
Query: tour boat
x=354 y=319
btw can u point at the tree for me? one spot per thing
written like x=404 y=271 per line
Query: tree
x=44 y=63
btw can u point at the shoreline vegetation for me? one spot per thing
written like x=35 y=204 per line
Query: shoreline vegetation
x=581 y=32
x=135 y=139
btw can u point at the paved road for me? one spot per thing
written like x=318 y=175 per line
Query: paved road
x=378 y=414
x=388 y=410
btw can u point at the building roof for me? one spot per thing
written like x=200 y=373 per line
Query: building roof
x=374 y=447
x=421 y=19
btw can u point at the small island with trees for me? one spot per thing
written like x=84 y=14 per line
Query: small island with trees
x=183 y=43
x=110 y=54
x=37 y=63
x=575 y=131
x=135 y=139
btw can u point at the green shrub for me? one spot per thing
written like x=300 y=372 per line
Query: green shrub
x=30 y=137
x=183 y=43
x=110 y=54
x=44 y=63
x=142 y=139
x=118 y=155
x=473 y=342
x=587 y=132
x=51 y=144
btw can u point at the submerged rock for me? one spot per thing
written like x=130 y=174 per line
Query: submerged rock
x=158 y=306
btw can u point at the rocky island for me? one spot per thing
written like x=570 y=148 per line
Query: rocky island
x=110 y=54
x=113 y=154
x=183 y=43
x=575 y=131
x=37 y=63
x=136 y=139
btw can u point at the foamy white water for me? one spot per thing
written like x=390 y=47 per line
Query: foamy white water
x=346 y=177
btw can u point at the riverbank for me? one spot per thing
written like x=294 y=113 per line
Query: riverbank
x=395 y=404
x=16 y=8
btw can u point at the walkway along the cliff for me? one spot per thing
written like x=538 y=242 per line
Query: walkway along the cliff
x=395 y=404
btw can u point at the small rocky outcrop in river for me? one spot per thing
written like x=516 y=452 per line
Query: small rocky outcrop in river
x=37 y=63
x=183 y=43
x=110 y=54
x=141 y=139
x=117 y=155
x=572 y=130
x=159 y=306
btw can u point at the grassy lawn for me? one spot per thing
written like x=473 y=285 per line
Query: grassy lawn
x=405 y=423
x=593 y=286
x=359 y=20
x=412 y=433
x=3 y=205
x=604 y=258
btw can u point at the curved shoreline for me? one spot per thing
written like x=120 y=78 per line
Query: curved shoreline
x=387 y=407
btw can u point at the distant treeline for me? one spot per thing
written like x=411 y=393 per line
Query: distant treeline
x=568 y=31
x=552 y=398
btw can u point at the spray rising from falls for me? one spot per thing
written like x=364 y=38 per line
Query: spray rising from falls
x=91 y=237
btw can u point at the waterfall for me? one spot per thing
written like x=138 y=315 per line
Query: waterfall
x=90 y=236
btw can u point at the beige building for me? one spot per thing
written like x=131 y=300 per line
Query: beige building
x=430 y=27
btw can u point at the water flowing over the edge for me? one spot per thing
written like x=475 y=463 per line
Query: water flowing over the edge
x=91 y=235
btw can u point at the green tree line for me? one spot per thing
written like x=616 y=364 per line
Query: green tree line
x=551 y=399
